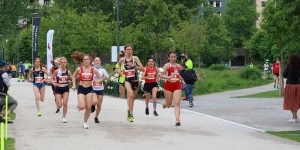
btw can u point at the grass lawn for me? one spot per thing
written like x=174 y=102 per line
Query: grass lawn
x=9 y=144
x=227 y=80
x=269 y=94
x=292 y=135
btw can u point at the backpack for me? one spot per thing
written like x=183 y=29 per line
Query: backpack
x=190 y=75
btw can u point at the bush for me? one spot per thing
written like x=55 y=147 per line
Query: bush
x=250 y=73
x=218 y=67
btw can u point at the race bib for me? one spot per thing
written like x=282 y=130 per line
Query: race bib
x=176 y=78
x=38 y=79
x=62 y=79
x=151 y=76
x=95 y=84
x=86 y=76
x=129 y=73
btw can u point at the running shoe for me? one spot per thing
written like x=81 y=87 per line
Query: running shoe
x=57 y=110
x=131 y=118
x=147 y=111
x=39 y=113
x=277 y=87
x=96 y=120
x=64 y=120
x=191 y=105
x=293 y=120
x=93 y=108
x=155 y=113
x=177 y=124
x=23 y=80
x=274 y=85
x=18 y=81
x=85 y=126
x=128 y=114
x=164 y=105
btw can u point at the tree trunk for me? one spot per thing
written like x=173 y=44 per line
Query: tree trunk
x=199 y=60
x=281 y=69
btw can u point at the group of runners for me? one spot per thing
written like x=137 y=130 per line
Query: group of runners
x=90 y=89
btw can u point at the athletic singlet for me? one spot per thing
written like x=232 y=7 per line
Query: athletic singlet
x=62 y=78
x=130 y=72
x=99 y=85
x=83 y=76
x=152 y=74
x=173 y=70
x=52 y=71
x=38 y=75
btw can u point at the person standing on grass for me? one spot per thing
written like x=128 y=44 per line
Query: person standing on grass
x=292 y=89
x=151 y=84
x=275 y=68
x=60 y=81
x=4 y=86
x=98 y=88
x=172 y=88
x=266 y=69
x=131 y=78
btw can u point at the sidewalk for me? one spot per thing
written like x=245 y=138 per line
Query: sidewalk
x=146 y=132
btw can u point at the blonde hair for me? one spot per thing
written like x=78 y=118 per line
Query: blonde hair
x=63 y=58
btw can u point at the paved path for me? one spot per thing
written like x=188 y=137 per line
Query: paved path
x=198 y=131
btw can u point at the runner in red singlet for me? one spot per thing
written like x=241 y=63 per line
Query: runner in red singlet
x=172 y=88
x=151 y=84
x=85 y=89
x=275 y=68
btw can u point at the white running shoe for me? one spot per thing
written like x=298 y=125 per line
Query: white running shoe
x=64 y=120
x=85 y=126
x=293 y=120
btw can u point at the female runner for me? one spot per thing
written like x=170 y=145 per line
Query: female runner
x=61 y=86
x=85 y=89
x=39 y=82
x=172 y=88
x=131 y=78
x=98 y=88
x=151 y=86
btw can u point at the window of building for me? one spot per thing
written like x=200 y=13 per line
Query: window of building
x=263 y=4
x=211 y=2
x=219 y=13
x=218 y=4
x=47 y=1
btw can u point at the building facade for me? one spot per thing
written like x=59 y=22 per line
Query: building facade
x=260 y=4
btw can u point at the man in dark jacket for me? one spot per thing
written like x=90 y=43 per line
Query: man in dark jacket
x=189 y=86
x=4 y=85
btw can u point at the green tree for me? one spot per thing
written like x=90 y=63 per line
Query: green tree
x=219 y=43
x=278 y=25
x=239 y=18
x=190 y=37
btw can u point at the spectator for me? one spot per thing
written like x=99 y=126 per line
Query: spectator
x=266 y=69
x=21 y=72
x=13 y=71
x=8 y=69
x=4 y=85
x=291 y=93
x=189 y=86
x=189 y=65
x=275 y=68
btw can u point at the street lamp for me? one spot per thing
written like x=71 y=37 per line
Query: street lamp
x=118 y=26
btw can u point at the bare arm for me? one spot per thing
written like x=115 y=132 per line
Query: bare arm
x=53 y=77
x=120 y=63
x=98 y=75
x=140 y=66
x=73 y=78
x=163 y=74
x=46 y=72
x=76 y=73
x=143 y=77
